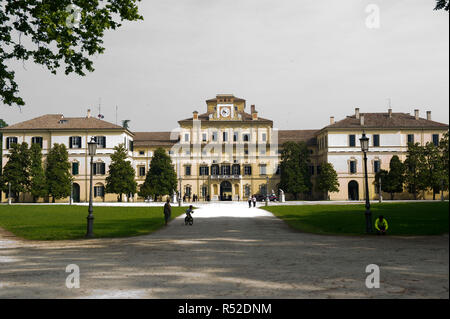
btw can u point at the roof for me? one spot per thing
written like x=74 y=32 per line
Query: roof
x=59 y=122
x=307 y=136
x=382 y=120
x=246 y=117
x=153 y=139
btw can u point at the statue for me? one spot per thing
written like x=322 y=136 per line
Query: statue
x=282 y=197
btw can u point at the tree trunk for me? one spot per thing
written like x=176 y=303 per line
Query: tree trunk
x=120 y=197
x=392 y=196
x=53 y=199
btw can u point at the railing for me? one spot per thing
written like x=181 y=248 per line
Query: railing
x=226 y=176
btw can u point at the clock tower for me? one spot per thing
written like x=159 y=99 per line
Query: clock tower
x=225 y=107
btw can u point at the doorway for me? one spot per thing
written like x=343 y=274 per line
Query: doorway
x=353 y=190
x=226 y=191
x=76 y=193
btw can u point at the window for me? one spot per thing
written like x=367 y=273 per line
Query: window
x=247 y=190
x=225 y=136
x=245 y=152
x=278 y=171
x=99 y=168
x=436 y=139
x=186 y=137
x=141 y=152
x=204 y=191
x=215 y=169
x=411 y=138
x=37 y=140
x=204 y=137
x=352 y=140
x=142 y=171
x=214 y=136
x=311 y=170
x=235 y=136
x=226 y=169
x=75 y=142
x=10 y=141
x=318 y=169
x=264 y=137
x=376 y=166
x=204 y=170
x=187 y=170
x=246 y=137
x=101 y=141
x=187 y=191
x=263 y=169
x=236 y=169
x=247 y=170
x=131 y=146
x=99 y=191
x=75 y=168
x=353 y=167
x=263 y=189
x=376 y=140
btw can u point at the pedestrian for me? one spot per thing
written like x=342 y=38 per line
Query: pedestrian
x=249 y=202
x=167 y=211
x=381 y=225
x=254 y=200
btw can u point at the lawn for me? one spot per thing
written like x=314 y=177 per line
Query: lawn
x=59 y=222
x=421 y=218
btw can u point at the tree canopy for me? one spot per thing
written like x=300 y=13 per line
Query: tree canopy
x=327 y=180
x=56 y=32
x=17 y=170
x=294 y=166
x=120 y=179
x=38 y=186
x=161 y=178
x=57 y=172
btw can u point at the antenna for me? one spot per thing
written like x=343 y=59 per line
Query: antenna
x=116 y=113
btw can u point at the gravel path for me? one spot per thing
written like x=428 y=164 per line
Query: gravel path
x=230 y=252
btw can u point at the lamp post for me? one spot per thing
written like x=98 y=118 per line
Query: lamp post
x=380 y=198
x=364 y=140
x=442 y=189
x=267 y=190
x=92 y=149
x=9 y=193
x=180 y=198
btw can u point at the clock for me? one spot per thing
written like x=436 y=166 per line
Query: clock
x=225 y=112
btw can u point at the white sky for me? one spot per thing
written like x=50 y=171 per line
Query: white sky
x=298 y=61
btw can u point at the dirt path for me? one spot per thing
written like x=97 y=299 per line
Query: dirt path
x=230 y=252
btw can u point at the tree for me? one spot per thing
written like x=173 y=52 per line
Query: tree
x=2 y=124
x=38 y=187
x=161 y=178
x=383 y=176
x=17 y=170
x=57 y=172
x=55 y=32
x=432 y=170
x=120 y=179
x=441 y=4
x=444 y=159
x=396 y=177
x=327 y=180
x=413 y=167
x=294 y=166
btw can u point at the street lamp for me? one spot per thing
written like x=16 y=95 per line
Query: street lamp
x=92 y=149
x=364 y=140
x=267 y=190
x=180 y=198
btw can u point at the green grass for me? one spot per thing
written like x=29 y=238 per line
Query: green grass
x=61 y=222
x=403 y=218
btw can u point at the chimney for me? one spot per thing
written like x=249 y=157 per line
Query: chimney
x=252 y=109
x=331 y=120
x=361 y=120
x=429 y=115
x=88 y=113
x=390 y=113
x=195 y=115
x=416 y=114
x=255 y=115
x=357 y=113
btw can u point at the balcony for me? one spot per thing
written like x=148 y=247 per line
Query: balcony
x=217 y=177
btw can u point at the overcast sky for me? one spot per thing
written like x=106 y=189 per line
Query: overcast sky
x=299 y=61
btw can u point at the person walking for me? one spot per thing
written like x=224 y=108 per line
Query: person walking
x=249 y=202
x=254 y=200
x=167 y=211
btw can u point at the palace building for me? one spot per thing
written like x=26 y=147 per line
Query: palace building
x=230 y=152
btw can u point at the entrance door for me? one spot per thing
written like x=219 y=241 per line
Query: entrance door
x=76 y=193
x=225 y=191
x=353 y=190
